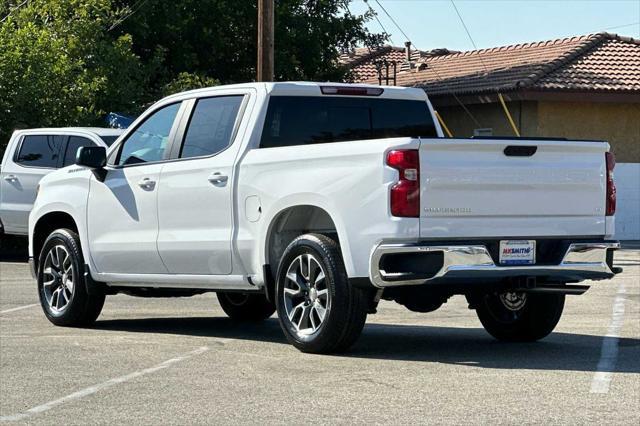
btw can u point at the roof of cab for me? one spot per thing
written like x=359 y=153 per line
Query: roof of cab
x=307 y=88
x=100 y=131
x=313 y=89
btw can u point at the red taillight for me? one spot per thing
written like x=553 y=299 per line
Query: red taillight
x=405 y=195
x=611 y=186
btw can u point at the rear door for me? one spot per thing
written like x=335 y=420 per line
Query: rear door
x=195 y=194
x=35 y=156
x=508 y=188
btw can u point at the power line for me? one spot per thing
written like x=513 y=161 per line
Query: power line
x=13 y=10
x=457 y=99
x=484 y=65
x=438 y=78
x=394 y=22
x=134 y=9
x=375 y=15
x=486 y=69
x=464 y=25
x=633 y=24
x=469 y=35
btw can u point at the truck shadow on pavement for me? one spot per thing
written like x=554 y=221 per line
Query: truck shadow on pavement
x=13 y=248
x=463 y=346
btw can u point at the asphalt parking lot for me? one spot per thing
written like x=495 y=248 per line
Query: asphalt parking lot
x=181 y=361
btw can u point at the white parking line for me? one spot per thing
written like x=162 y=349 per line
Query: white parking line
x=609 y=355
x=19 y=308
x=95 y=388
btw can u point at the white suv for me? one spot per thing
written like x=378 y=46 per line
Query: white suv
x=30 y=155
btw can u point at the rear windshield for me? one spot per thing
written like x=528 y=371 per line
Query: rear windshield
x=109 y=140
x=303 y=120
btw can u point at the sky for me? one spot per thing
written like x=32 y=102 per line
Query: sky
x=433 y=24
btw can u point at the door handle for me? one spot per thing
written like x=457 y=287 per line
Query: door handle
x=147 y=184
x=11 y=178
x=218 y=178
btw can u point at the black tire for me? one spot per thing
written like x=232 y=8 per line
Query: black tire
x=345 y=307
x=534 y=319
x=86 y=298
x=246 y=307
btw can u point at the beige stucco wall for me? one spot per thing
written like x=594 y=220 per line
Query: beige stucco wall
x=491 y=115
x=617 y=123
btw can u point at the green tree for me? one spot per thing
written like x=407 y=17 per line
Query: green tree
x=187 y=81
x=59 y=65
x=217 y=38
x=7 y=6
x=68 y=62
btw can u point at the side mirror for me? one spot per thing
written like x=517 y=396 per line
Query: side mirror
x=93 y=157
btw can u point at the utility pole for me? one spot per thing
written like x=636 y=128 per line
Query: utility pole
x=265 y=40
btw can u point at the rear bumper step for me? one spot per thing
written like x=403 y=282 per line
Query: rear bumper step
x=560 y=289
x=440 y=263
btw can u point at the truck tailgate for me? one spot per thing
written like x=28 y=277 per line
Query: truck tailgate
x=472 y=188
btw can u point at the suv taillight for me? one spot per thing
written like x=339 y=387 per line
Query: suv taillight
x=405 y=194
x=610 y=159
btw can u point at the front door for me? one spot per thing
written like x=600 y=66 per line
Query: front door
x=195 y=195
x=122 y=208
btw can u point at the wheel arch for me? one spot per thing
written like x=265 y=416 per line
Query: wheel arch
x=291 y=222
x=45 y=225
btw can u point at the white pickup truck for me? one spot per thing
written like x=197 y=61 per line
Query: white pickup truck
x=316 y=201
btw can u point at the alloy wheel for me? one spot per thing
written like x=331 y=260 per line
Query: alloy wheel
x=307 y=298
x=58 y=280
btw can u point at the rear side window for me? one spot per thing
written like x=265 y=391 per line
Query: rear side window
x=74 y=143
x=211 y=126
x=40 y=151
x=303 y=120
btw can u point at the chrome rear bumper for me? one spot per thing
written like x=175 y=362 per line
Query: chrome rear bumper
x=581 y=261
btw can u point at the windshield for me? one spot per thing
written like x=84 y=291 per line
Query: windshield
x=303 y=120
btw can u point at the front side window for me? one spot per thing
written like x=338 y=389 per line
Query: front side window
x=150 y=140
x=40 y=151
x=75 y=142
x=211 y=126
x=303 y=120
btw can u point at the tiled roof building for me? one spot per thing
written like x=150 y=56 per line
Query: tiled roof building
x=598 y=62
